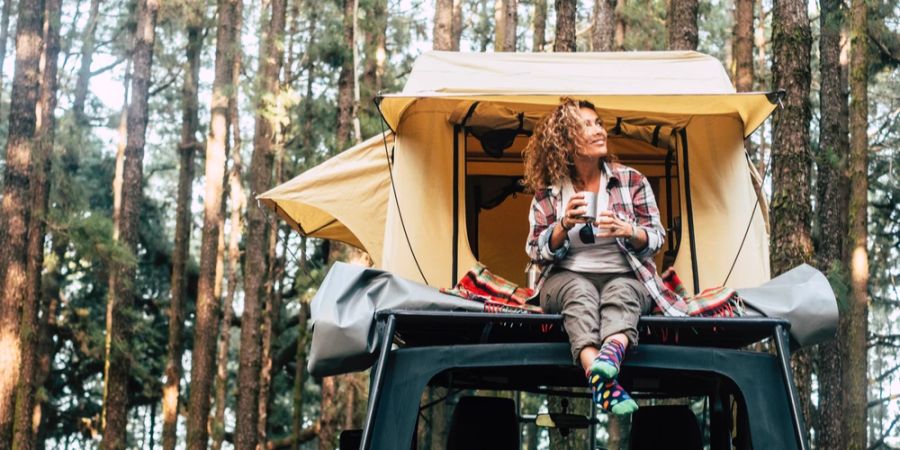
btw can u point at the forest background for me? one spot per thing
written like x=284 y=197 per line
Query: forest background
x=147 y=301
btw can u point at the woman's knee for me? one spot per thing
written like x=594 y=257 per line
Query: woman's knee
x=623 y=290
x=566 y=287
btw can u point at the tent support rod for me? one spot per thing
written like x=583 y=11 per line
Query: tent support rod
x=690 y=210
x=670 y=229
x=455 y=250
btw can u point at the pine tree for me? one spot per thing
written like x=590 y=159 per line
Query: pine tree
x=122 y=289
x=23 y=435
x=260 y=180
x=791 y=211
x=854 y=371
x=742 y=41
x=15 y=212
x=682 y=24
x=180 y=253
x=566 y=19
x=443 y=25
x=833 y=194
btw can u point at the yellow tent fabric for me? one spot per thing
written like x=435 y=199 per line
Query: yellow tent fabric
x=682 y=82
x=344 y=198
x=668 y=105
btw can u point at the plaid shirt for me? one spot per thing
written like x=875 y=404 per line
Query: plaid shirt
x=631 y=198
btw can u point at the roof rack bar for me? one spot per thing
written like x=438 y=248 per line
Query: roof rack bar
x=387 y=338
x=662 y=321
x=781 y=346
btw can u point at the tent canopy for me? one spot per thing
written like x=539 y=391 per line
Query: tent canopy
x=679 y=83
x=450 y=195
x=342 y=199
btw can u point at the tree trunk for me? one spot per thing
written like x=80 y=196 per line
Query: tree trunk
x=603 y=27
x=238 y=203
x=854 y=372
x=443 y=25
x=621 y=27
x=87 y=57
x=4 y=35
x=743 y=45
x=565 y=26
x=791 y=163
x=506 y=21
x=207 y=316
x=346 y=79
x=122 y=283
x=271 y=313
x=456 y=25
x=16 y=204
x=180 y=253
x=329 y=416
x=682 y=24
x=375 y=53
x=299 y=372
x=540 y=26
x=834 y=191
x=24 y=428
x=264 y=141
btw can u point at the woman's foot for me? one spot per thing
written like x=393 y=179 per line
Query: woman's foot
x=610 y=395
x=606 y=364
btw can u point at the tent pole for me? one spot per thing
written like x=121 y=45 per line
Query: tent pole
x=690 y=210
x=455 y=250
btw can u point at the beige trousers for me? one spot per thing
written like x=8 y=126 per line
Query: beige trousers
x=595 y=306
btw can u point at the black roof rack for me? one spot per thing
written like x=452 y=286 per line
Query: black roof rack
x=417 y=328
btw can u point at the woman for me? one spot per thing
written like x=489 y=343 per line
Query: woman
x=600 y=273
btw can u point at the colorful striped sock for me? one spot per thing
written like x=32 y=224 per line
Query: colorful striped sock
x=607 y=362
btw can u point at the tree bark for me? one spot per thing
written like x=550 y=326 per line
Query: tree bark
x=539 y=37
x=4 y=35
x=346 y=80
x=84 y=70
x=181 y=252
x=681 y=24
x=456 y=25
x=743 y=45
x=791 y=210
x=565 y=26
x=603 y=26
x=15 y=213
x=238 y=203
x=122 y=282
x=207 y=316
x=621 y=27
x=854 y=372
x=264 y=141
x=271 y=312
x=299 y=372
x=833 y=191
x=375 y=55
x=24 y=427
x=443 y=25
x=329 y=416
x=506 y=21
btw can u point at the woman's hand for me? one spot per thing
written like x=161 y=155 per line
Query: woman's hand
x=611 y=226
x=575 y=211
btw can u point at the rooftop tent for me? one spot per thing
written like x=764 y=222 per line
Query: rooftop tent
x=459 y=127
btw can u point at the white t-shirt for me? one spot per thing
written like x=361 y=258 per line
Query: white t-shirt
x=601 y=256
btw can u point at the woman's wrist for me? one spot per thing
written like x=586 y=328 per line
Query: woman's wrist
x=562 y=223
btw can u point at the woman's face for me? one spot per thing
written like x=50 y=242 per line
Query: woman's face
x=593 y=142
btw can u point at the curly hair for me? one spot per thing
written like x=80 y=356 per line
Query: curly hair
x=550 y=152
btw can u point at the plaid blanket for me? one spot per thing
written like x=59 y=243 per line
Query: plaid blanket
x=500 y=295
